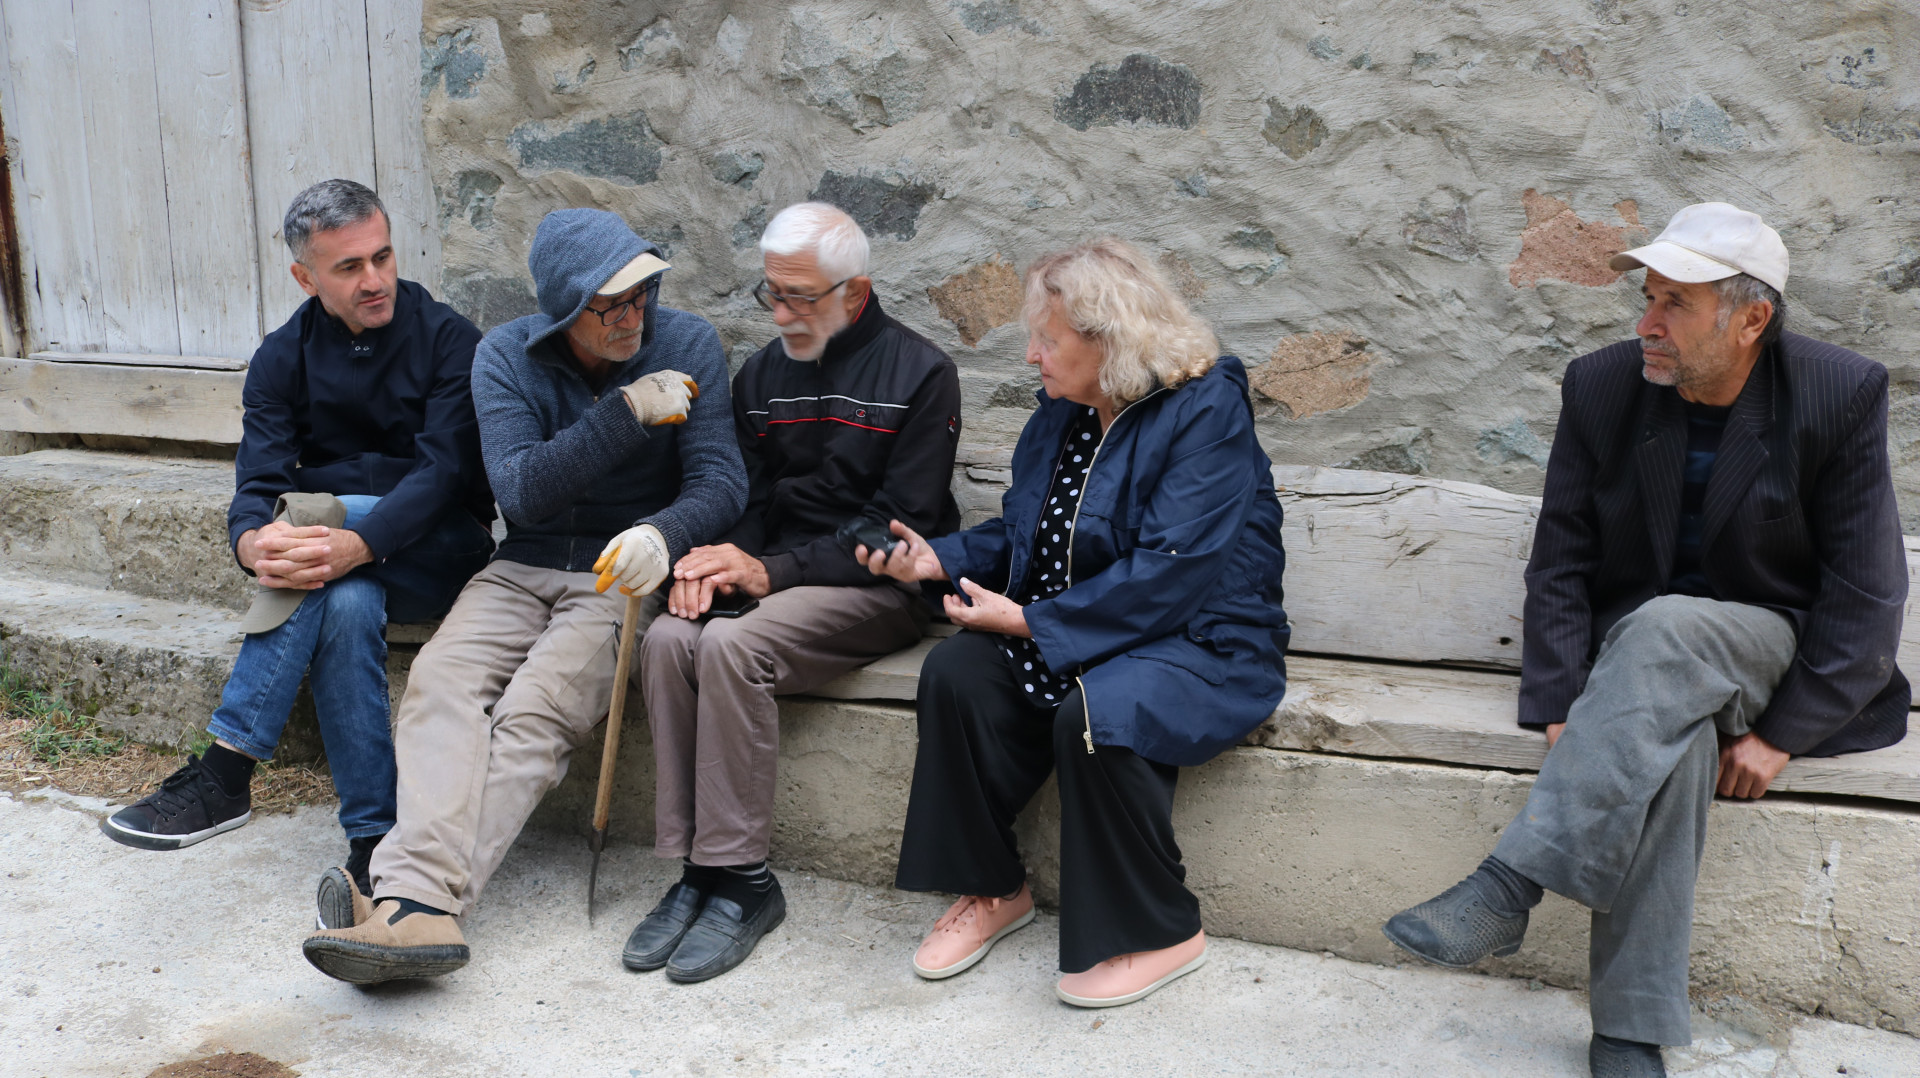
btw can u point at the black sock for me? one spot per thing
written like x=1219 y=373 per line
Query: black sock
x=360 y=860
x=701 y=878
x=1626 y=1047
x=749 y=885
x=232 y=770
x=408 y=906
x=1506 y=890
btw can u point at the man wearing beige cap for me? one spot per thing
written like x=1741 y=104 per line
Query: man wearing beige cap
x=1716 y=585
x=607 y=431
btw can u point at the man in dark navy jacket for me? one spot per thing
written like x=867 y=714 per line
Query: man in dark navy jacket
x=1717 y=584
x=360 y=498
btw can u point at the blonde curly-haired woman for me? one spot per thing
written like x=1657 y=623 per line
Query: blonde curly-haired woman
x=1121 y=620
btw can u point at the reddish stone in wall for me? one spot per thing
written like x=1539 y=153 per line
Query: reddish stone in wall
x=1557 y=244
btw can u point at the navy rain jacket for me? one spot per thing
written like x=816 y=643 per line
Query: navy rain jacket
x=1172 y=618
x=387 y=413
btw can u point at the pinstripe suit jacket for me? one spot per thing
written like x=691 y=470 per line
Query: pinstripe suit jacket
x=1799 y=517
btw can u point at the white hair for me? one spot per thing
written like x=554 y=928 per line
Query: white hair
x=835 y=239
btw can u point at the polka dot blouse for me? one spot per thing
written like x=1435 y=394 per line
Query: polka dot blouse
x=1048 y=575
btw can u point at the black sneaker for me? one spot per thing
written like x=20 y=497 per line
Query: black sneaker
x=188 y=807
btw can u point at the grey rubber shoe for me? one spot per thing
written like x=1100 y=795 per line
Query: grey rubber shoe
x=1456 y=928
x=1610 y=1058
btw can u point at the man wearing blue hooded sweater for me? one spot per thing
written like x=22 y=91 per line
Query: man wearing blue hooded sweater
x=606 y=428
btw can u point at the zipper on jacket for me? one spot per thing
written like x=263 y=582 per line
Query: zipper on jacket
x=1073 y=533
x=1086 y=710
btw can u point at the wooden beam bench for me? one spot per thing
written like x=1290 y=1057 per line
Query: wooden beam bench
x=1405 y=596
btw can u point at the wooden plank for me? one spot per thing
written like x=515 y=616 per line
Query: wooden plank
x=126 y=176
x=1392 y=566
x=129 y=359
x=1468 y=717
x=309 y=118
x=200 y=84
x=147 y=402
x=44 y=114
x=399 y=140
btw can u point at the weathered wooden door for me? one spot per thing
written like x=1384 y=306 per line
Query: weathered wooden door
x=155 y=144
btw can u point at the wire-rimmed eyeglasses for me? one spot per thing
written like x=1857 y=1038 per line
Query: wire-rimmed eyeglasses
x=798 y=304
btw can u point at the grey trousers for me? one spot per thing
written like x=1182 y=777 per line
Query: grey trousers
x=710 y=703
x=517 y=675
x=1618 y=818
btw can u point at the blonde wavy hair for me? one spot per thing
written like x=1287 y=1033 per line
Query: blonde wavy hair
x=1113 y=295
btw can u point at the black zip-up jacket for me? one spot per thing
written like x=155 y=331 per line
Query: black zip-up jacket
x=870 y=429
x=388 y=413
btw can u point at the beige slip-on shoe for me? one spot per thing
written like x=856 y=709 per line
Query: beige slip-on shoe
x=389 y=946
x=1125 y=978
x=968 y=930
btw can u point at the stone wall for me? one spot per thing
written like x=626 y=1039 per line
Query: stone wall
x=1396 y=211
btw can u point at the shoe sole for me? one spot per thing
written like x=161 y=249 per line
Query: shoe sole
x=1134 y=996
x=1504 y=952
x=695 y=977
x=142 y=840
x=370 y=963
x=334 y=899
x=973 y=959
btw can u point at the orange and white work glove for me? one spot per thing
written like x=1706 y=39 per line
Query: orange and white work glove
x=637 y=558
x=661 y=397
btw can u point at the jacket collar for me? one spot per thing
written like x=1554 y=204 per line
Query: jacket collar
x=1743 y=450
x=865 y=327
x=369 y=340
x=1660 y=459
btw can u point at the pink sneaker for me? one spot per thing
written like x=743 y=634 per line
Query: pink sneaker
x=968 y=930
x=1128 y=977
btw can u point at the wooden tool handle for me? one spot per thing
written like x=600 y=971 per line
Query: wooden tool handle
x=603 y=799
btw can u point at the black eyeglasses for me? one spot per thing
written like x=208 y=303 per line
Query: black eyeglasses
x=798 y=304
x=619 y=310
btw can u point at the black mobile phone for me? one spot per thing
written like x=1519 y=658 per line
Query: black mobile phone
x=868 y=532
x=730 y=606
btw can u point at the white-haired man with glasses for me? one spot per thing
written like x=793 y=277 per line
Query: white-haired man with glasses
x=847 y=419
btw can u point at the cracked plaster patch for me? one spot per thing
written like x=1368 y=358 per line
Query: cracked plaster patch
x=1310 y=373
x=1557 y=244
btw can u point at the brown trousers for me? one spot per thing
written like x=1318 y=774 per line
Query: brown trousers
x=716 y=729
x=517 y=675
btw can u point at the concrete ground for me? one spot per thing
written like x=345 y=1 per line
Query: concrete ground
x=117 y=961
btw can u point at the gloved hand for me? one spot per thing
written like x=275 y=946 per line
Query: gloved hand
x=637 y=558
x=661 y=397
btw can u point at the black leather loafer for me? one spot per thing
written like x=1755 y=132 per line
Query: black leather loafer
x=655 y=937
x=720 y=939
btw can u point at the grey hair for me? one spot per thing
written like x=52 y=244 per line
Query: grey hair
x=835 y=238
x=325 y=206
x=1739 y=290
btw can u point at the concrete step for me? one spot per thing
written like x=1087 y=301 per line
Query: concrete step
x=1807 y=903
x=151 y=669
x=152 y=526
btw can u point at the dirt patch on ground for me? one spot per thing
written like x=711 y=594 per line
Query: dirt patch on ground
x=131 y=771
x=226 y=1065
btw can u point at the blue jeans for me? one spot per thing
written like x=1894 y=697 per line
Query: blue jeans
x=338 y=636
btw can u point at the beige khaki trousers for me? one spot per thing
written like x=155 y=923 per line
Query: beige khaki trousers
x=710 y=690
x=517 y=675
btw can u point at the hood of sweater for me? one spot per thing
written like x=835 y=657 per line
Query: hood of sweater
x=574 y=252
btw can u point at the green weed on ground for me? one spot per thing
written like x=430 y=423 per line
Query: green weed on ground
x=54 y=733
